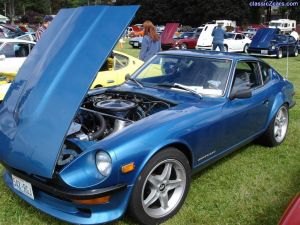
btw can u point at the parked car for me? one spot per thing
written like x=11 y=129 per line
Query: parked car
x=236 y=42
x=167 y=36
x=136 y=42
x=205 y=39
x=11 y=31
x=29 y=36
x=291 y=215
x=186 y=40
x=88 y=157
x=268 y=42
x=285 y=25
x=13 y=53
x=112 y=73
x=122 y=65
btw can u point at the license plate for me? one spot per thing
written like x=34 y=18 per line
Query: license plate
x=264 y=52
x=136 y=44
x=22 y=186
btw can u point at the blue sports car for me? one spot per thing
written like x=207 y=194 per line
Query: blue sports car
x=268 y=42
x=86 y=157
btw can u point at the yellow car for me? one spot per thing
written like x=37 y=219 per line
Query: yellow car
x=117 y=67
x=112 y=73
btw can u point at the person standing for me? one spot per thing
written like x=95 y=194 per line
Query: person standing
x=151 y=41
x=295 y=34
x=46 y=22
x=218 y=37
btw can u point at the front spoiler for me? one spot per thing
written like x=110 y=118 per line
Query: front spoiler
x=63 y=192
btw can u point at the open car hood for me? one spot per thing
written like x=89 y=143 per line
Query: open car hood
x=40 y=105
x=168 y=33
x=263 y=37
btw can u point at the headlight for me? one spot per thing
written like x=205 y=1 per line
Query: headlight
x=273 y=47
x=103 y=162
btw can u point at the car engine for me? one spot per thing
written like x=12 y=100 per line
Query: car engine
x=105 y=114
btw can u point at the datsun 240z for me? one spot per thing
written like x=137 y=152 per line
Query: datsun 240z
x=87 y=156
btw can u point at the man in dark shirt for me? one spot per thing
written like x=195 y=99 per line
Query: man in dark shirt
x=46 y=22
x=219 y=34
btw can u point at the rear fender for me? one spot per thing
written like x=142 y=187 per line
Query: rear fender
x=278 y=102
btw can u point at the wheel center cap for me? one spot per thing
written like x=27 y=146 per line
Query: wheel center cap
x=162 y=187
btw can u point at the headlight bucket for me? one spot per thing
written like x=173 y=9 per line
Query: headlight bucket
x=103 y=163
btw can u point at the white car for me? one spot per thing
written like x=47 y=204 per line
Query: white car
x=29 y=36
x=236 y=42
x=13 y=53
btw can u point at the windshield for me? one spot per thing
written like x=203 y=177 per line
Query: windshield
x=280 y=38
x=205 y=76
x=230 y=35
x=275 y=24
x=186 y=35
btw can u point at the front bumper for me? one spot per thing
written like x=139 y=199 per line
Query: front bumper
x=258 y=52
x=67 y=210
x=202 y=47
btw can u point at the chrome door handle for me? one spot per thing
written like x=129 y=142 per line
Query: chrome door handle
x=110 y=81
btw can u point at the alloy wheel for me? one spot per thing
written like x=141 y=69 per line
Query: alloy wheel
x=164 y=188
x=281 y=124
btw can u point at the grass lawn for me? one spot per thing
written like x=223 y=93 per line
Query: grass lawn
x=250 y=187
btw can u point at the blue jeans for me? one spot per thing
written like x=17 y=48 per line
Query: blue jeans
x=220 y=45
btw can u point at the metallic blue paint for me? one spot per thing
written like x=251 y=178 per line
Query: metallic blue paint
x=263 y=37
x=67 y=58
x=208 y=128
x=269 y=39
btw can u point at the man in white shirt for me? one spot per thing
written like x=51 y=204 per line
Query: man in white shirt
x=295 y=34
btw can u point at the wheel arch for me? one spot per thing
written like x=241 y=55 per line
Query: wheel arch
x=278 y=102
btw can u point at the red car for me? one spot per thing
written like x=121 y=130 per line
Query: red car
x=291 y=215
x=187 y=40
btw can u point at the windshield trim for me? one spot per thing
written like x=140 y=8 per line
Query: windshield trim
x=134 y=75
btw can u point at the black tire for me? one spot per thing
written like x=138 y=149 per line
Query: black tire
x=296 y=52
x=225 y=48
x=157 y=164
x=184 y=46
x=279 y=53
x=246 y=48
x=269 y=137
x=98 y=86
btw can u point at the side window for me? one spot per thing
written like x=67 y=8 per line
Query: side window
x=120 y=61
x=8 y=50
x=15 y=50
x=266 y=72
x=238 y=37
x=246 y=76
x=291 y=39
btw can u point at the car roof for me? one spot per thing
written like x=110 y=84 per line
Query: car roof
x=210 y=54
x=11 y=40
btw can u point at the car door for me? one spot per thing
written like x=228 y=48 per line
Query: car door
x=245 y=118
x=292 y=44
x=239 y=42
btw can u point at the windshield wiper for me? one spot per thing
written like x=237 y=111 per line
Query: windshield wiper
x=179 y=86
x=128 y=77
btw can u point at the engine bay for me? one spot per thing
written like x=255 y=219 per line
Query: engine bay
x=104 y=114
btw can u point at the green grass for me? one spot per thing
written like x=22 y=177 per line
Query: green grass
x=250 y=187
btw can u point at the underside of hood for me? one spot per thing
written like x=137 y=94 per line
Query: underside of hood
x=50 y=86
x=168 y=33
x=263 y=37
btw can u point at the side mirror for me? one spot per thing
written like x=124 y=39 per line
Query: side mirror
x=241 y=94
x=2 y=57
